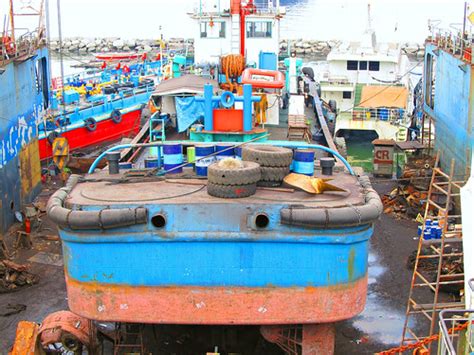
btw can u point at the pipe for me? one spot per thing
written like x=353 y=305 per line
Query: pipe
x=347 y=216
x=107 y=218
x=286 y=144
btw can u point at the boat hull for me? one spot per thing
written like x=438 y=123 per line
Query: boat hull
x=287 y=278
x=106 y=131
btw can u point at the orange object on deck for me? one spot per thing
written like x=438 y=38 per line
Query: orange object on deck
x=263 y=79
x=228 y=120
x=26 y=339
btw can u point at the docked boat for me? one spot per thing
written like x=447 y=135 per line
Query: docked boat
x=24 y=81
x=117 y=56
x=268 y=240
x=370 y=84
x=90 y=110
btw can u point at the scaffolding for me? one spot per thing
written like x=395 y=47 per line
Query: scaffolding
x=441 y=251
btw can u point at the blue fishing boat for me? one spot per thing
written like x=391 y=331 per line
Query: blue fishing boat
x=24 y=82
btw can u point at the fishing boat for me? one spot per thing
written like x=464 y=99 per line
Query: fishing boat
x=117 y=56
x=286 y=251
x=369 y=82
x=93 y=109
x=24 y=80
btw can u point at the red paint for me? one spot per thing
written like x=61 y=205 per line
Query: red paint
x=228 y=120
x=244 y=11
x=117 y=56
x=216 y=305
x=277 y=78
x=106 y=131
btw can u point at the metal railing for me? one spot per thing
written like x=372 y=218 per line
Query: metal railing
x=456 y=329
x=456 y=43
x=24 y=45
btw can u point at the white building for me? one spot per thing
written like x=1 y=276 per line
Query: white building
x=219 y=29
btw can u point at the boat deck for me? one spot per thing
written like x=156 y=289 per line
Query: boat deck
x=105 y=189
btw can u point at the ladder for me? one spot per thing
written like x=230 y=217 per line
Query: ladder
x=235 y=34
x=438 y=251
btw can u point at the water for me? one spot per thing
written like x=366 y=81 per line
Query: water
x=360 y=149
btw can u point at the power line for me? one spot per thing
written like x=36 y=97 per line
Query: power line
x=385 y=88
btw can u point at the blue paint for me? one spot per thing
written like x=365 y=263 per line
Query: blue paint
x=151 y=163
x=173 y=157
x=453 y=111
x=247 y=100
x=303 y=162
x=246 y=264
x=23 y=100
x=221 y=154
x=201 y=165
x=125 y=166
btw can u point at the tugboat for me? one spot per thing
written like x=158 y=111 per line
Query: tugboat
x=244 y=231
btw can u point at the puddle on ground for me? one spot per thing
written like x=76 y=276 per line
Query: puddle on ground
x=380 y=321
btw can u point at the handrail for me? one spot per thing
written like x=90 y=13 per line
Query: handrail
x=286 y=144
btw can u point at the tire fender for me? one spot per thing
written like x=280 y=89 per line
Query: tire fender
x=116 y=116
x=90 y=124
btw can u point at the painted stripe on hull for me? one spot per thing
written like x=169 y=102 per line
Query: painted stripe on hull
x=106 y=131
x=213 y=264
x=216 y=305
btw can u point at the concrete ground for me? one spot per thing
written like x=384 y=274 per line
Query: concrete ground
x=379 y=327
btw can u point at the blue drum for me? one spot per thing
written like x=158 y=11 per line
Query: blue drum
x=222 y=153
x=125 y=166
x=202 y=164
x=151 y=162
x=173 y=157
x=303 y=162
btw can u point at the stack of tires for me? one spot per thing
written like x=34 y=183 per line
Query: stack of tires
x=233 y=181
x=274 y=162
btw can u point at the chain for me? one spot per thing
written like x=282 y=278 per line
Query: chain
x=421 y=343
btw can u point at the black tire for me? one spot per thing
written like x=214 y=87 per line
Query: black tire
x=231 y=191
x=90 y=124
x=267 y=155
x=116 y=116
x=249 y=174
x=107 y=90
x=52 y=136
x=274 y=173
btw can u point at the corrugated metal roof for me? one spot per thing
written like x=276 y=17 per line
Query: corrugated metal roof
x=187 y=84
x=374 y=96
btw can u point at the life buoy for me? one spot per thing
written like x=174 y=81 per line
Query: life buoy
x=91 y=124
x=116 y=116
x=227 y=99
x=263 y=79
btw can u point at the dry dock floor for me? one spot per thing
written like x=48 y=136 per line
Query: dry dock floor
x=377 y=328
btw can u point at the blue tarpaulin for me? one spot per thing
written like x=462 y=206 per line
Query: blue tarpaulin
x=188 y=111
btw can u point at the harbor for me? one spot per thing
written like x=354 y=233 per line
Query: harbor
x=239 y=188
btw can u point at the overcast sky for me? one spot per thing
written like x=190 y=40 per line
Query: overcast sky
x=394 y=20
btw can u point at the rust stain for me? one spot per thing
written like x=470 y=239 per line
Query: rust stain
x=30 y=169
x=216 y=305
x=350 y=264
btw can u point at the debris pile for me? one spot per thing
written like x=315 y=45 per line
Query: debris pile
x=14 y=276
x=409 y=197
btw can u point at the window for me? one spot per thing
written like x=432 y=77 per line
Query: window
x=346 y=95
x=363 y=65
x=430 y=80
x=261 y=29
x=213 y=29
x=352 y=65
x=374 y=66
